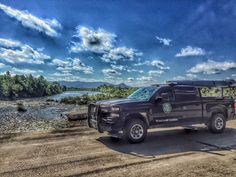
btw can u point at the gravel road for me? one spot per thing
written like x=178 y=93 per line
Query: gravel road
x=80 y=151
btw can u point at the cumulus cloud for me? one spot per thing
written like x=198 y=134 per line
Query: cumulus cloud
x=188 y=76
x=77 y=65
x=101 y=42
x=130 y=79
x=70 y=65
x=59 y=62
x=9 y=43
x=111 y=72
x=30 y=21
x=2 y=65
x=23 y=71
x=156 y=63
x=120 y=53
x=22 y=54
x=98 y=41
x=164 y=41
x=212 y=67
x=191 y=51
x=159 y=64
x=118 y=67
x=135 y=70
x=155 y=73
x=145 y=78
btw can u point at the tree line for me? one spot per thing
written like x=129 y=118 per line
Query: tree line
x=27 y=86
x=106 y=92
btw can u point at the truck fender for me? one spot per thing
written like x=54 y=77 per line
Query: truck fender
x=218 y=109
x=140 y=115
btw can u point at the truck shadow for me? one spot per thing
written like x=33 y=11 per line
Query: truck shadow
x=176 y=141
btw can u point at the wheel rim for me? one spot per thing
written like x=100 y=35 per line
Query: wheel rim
x=219 y=123
x=136 y=131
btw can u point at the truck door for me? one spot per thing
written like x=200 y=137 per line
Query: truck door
x=166 y=111
x=189 y=101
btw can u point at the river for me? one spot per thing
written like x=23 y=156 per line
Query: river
x=71 y=94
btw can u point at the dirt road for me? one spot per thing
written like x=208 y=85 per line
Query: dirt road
x=80 y=151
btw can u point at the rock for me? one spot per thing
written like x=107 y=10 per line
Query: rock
x=73 y=116
x=21 y=107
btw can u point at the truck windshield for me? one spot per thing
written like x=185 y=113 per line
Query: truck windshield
x=144 y=93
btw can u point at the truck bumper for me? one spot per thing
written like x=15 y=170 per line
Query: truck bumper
x=113 y=128
x=231 y=114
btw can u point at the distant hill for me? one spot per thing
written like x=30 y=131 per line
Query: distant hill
x=81 y=84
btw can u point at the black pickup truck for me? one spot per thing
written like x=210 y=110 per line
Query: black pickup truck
x=177 y=103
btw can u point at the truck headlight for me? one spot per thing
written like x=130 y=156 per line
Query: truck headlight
x=115 y=109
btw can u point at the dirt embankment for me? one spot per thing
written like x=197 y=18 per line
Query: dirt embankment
x=80 y=151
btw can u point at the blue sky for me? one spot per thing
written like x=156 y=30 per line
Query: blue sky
x=132 y=41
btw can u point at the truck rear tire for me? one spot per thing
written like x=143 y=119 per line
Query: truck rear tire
x=135 y=131
x=217 y=123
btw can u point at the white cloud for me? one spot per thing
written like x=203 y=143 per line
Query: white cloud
x=155 y=72
x=8 y=43
x=110 y=72
x=77 y=65
x=120 y=53
x=212 y=67
x=156 y=63
x=142 y=63
x=118 y=67
x=2 y=65
x=28 y=20
x=98 y=41
x=188 y=76
x=130 y=79
x=164 y=41
x=179 y=78
x=159 y=64
x=22 y=54
x=191 y=76
x=145 y=78
x=74 y=64
x=135 y=70
x=59 y=62
x=191 y=51
x=23 y=71
x=101 y=42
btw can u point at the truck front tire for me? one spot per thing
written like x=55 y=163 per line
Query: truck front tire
x=217 y=123
x=135 y=131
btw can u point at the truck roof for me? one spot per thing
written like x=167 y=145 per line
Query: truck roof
x=205 y=83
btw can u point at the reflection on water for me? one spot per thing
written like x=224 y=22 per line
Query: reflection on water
x=71 y=94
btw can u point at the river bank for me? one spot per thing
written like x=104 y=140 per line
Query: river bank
x=40 y=115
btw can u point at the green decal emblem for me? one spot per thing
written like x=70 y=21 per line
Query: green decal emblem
x=167 y=108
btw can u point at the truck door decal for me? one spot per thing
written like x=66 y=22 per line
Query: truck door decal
x=167 y=108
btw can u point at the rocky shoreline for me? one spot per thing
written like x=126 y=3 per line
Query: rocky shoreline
x=40 y=115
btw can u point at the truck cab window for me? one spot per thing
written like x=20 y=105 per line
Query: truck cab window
x=167 y=94
x=186 y=93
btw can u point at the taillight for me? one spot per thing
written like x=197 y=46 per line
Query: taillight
x=235 y=105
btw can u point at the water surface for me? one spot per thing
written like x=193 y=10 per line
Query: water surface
x=71 y=94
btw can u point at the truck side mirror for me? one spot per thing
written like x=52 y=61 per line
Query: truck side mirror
x=158 y=99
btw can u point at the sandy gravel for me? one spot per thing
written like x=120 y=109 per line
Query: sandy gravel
x=40 y=115
x=80 y=151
